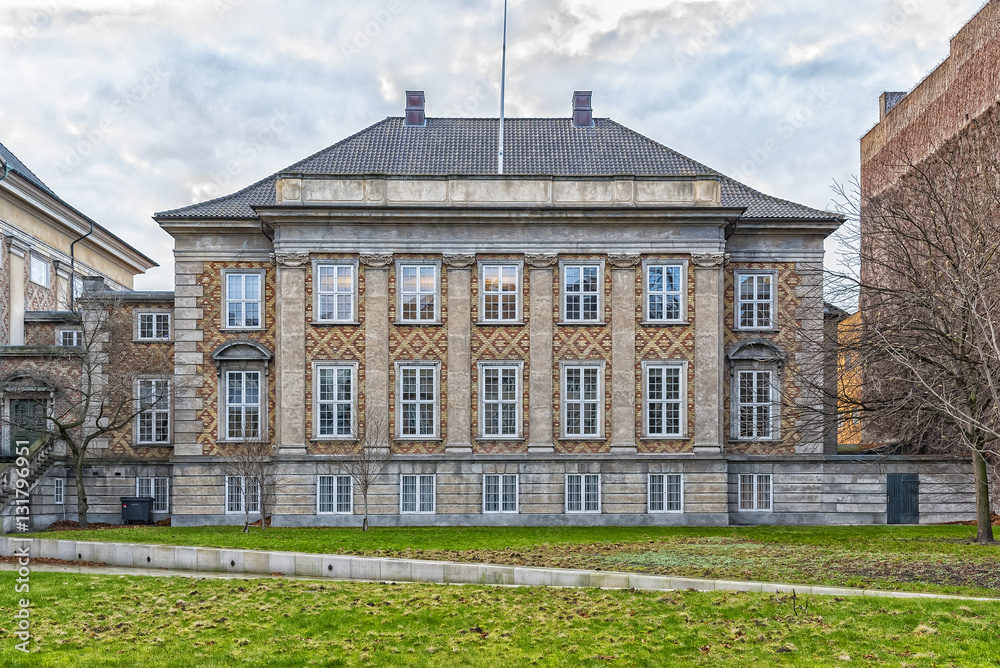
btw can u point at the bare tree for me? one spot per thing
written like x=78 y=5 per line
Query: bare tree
x=925 y=352
x=367 y=459
x=249 y=460
x=92 y=390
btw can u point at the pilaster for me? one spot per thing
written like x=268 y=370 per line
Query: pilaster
x=459 y=413
x=540 y=325
x=376 y=300
x=290 y=365
x=708 y=352
x=623 y=309
x=18 y=251
x=188 y=382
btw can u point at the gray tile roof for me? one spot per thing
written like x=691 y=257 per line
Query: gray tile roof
x=467 y=146
x=22 y=170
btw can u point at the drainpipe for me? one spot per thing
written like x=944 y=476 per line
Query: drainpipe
x=72 y=265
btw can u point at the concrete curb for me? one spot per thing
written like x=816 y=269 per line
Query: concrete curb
x=379 y=569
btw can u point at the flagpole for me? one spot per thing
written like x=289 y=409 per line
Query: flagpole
x=503 y=79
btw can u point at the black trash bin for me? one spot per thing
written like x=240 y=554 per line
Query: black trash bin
x=137 y=509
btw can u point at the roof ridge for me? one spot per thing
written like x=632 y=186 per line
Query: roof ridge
x=24 y=170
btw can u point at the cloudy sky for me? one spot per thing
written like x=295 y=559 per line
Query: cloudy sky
x=128 y=107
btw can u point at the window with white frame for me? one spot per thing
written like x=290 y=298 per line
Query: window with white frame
x=664 y=292
x=244 y=294
x=500 y=290
x=755 y=300
x=756 y=408
x=158 y=488
x=583 y=493
x=583 y=400
x=418 y=400
x=581 y=292
x=499 y=400
x=242 y=494
x=755 y=491
x=243 y=404
x=59 y=491
x=153 y=326
x=69 y=337
x=153 y=420
x=418 y=292
x=335 y=401
x=665 y=399
x=334 y=494
x=40 y=271
x=416 y=493
x=500 y=493
x=335 y=286
x=665 y=493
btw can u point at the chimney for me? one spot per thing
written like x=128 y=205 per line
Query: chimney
x=415 y=108
x=583 y=113
x=887 y=101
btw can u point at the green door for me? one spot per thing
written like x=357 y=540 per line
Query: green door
x=27 y=421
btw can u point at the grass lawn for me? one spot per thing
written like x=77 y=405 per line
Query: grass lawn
x=129 y=621
x=914 y=558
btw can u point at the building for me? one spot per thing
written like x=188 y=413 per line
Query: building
x=608 y=332
x=48 y=251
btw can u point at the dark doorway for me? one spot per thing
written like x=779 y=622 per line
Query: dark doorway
x=903 y=498
x=27 y=421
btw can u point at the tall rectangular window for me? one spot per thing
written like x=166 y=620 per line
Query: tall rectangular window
x=754 y=301
x=418 y=401
x=665 y=401
x=153 y=327
x=501 y=293
x=755 y=491
x=153 y=421
x=500 y=400
x=416 y=493
x=582 y=400
x=664 y=292
x=581 y=293
x=158 y=488
x=59 y=491
x=755 y=404
x=334 y=494
x=583 y=493
x=335 y=292
x=335 y=400
x=244 y=296
x=40 y=271
x=418 y=288
x=242 y=494
x=500 y=493
x=243 y=405
x=665 y=493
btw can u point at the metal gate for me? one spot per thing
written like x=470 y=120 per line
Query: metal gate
x=903 y=498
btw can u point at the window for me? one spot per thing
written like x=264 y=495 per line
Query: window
x=583 y=493
x=500 y=493
x=242 y=404
x=755 y=491
x=582 y=293
x=244 y=293
x=59 y=491
x=69 y=337
x=417 y=399
x=418 y=290
x=665 y=493
x=499 y=400
x=242 y=494
x=156 y=488
x=755 y=405
x=500 y=290
x=335 y=401
x=334 y=285
x=416 y=494
x=755 y=300
x=583 y=401
x=665 y=399
x=334 y=494
x=40 y=271
x=153 y=421
x=153 y=327
x=665 y=293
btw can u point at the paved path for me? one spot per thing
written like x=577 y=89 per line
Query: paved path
x=696 y=583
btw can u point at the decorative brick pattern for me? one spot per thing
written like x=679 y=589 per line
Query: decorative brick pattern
x=785 y=337
x=37 y=297
x=210 y=324
x=42 y=333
